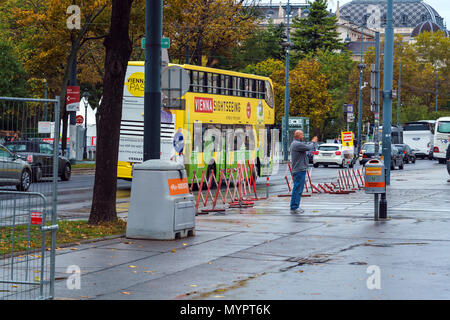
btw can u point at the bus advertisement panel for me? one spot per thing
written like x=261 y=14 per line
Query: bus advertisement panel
x=226 y=119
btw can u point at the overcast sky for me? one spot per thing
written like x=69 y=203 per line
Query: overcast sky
x=441 y=6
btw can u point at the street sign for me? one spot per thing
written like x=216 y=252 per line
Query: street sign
x=298 y=123
x=178 y=142
x=73 y=98
x=36 y=218
x=80 y=119
x=347 y=139
x=348 y=113
x=165 y=43
x=44 y=126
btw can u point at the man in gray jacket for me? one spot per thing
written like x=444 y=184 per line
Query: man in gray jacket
x=299 y=164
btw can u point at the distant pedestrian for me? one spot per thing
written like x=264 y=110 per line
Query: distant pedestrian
x=447 y=157
x=299 y=163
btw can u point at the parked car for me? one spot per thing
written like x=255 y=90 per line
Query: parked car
x=311 y=153
x=331 y=154
x=14 y=171
x=39 y=155
x=397 y=158
x=368 y=152
x=408 y=154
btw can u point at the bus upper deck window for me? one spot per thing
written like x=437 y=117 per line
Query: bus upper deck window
x=195 y=82
x=201 y=81
x=209 y=82
x=269 y=93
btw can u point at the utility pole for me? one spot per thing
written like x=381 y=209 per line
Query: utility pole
x=436 y=94
x=286 y=91
x=377 y=91
x=387 y=101
x=152 y=86
x=399 y=91
x=45 y=97
x=361 y=68
x=72 y=127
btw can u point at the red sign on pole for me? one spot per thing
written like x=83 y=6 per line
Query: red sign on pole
x=80 y=119
x=72 y=98
x=36 y=218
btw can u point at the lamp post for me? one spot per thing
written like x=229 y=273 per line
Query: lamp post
x=152 y=85
x=45 y=96
x=436 y=94
x=399 y=104
x=287 y=45
x=361 y=67
x=387 y=101
x=85 y=96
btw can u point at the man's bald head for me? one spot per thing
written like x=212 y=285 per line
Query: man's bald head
x=298 y=134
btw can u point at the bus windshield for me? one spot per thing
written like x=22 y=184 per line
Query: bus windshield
x=416 y=126
x=443 y=127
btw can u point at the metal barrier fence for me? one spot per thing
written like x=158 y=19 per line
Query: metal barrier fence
x=29 y=163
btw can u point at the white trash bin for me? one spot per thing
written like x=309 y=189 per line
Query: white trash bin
x=161 y=207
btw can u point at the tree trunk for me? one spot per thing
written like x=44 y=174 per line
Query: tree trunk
x=118 y=51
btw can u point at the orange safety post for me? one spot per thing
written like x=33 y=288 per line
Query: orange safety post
x=310 y=183
x=288 y=184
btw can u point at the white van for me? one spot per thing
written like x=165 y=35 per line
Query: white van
x=418 y=135
x=441 y=138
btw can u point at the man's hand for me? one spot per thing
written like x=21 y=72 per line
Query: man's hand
x=315 y=139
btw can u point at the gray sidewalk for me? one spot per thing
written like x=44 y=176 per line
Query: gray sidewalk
x=264 y=252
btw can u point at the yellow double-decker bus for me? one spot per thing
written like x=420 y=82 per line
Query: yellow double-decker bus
x=226 y=118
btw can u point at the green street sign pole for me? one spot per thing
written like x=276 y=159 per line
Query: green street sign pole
x=387 y=101
x=152 y=84
x=165 y=43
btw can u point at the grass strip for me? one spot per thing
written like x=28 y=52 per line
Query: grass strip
x=29 y=237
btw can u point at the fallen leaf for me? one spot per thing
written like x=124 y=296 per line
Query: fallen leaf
x=173 y=250
x=194 y=285
x=126 y=292
x=132 y=267
x=184 y=244
x=219 y=296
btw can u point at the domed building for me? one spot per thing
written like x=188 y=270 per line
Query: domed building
x=407 y=15
x=427 y=26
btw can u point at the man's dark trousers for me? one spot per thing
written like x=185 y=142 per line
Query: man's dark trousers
x=299 y=184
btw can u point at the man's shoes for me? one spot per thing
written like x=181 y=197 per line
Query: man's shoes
x=297 y=211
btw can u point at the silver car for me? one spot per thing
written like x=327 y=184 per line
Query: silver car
x=14 y=171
